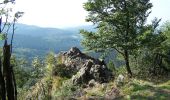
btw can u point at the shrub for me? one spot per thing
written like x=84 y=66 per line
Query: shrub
x=62 y=70
x=111 y=66
x=66 y=90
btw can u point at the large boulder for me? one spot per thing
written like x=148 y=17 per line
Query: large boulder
x=89 y=71
x=76 y=59
x=85 y=67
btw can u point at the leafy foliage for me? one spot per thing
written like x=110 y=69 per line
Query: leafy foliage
x=38 y=68
x=121 y=26
x=66 y=90
x=152 y=59
x=2 y=36
x=22 y=72
x=62 y=71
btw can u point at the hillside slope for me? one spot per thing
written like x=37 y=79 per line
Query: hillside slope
x=30 y=41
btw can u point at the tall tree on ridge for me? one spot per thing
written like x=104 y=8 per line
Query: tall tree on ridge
x=121 y=26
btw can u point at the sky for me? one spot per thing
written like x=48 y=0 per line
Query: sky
x=52 y=13
x=70 y=13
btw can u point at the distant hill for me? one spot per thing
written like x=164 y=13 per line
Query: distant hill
x=30 y=41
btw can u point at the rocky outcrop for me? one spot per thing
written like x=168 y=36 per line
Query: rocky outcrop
x=85 y=67
x=81 y=70
x=76 y=59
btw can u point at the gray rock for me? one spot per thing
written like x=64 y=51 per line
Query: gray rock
x=86 y=67
x=104 y=85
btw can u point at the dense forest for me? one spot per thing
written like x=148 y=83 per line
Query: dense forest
x=121 y=56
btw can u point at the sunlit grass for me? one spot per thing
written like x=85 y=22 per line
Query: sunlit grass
x=165 y=85
x=95 y=91
x=144 y=90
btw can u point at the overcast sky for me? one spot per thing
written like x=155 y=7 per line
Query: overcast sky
x=70 y=13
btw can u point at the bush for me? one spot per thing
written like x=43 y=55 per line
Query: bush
x=62 y=70
x=66 y=90
x=111 y=66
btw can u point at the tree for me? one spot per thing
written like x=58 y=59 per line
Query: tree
x=50 y=61
x=38 y=68
x=162 y=52
x=7 y=78
x=21 y=71
x=121 y=26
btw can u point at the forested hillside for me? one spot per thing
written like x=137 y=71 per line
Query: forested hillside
x=121 y=56
x=31 y=41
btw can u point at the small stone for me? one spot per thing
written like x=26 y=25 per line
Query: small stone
x=104 y=85
x=92 y=83
x=120 y=80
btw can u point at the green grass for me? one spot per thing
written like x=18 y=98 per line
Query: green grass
x=143 y=90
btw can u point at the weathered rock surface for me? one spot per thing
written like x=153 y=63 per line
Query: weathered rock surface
x=86 y=67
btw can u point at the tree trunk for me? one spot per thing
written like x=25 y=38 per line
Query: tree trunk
x=126 y=57
x=7 y=73
x=2 y=84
